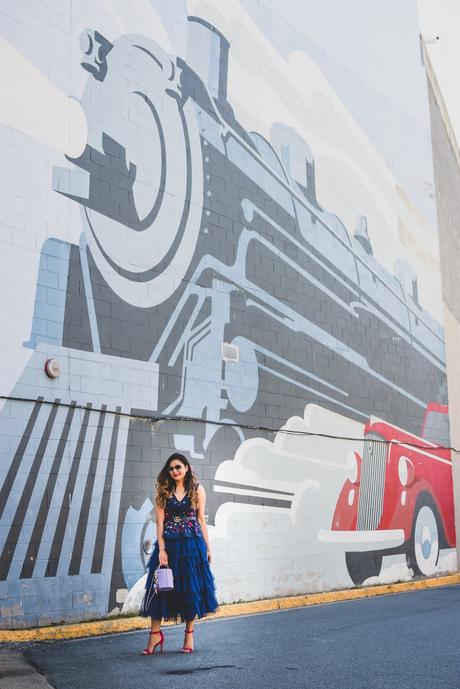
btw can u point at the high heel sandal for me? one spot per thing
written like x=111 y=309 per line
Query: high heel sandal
x=160 y=643
x=184 y=649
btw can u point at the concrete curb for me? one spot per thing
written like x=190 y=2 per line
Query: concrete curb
x=127 y=624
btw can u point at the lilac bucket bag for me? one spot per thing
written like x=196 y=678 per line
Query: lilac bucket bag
x=164 y=580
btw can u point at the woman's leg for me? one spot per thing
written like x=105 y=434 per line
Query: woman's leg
x=188 y=637
x=155 y=634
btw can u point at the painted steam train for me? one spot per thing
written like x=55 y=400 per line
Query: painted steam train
x=222 y=245
x=207 y=263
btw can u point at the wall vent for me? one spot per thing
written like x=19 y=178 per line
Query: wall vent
x=230 y=352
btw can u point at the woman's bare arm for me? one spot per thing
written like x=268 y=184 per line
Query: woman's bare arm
x=159 y=518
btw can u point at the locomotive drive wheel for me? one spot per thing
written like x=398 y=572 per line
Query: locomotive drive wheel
x=361 y=566
x=423 y=553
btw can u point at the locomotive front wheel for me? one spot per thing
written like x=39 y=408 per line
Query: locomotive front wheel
x=423 y=553
x=361 y=566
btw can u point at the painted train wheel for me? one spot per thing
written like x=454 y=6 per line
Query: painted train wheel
x=142 y=202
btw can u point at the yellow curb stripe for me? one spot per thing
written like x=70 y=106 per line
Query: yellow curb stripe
x=127 y=624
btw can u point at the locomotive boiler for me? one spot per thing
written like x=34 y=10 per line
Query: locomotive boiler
x=208 y=272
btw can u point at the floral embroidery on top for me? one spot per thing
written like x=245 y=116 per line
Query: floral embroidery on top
x=180 y=518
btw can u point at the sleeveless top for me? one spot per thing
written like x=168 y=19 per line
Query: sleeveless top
x=180 y=519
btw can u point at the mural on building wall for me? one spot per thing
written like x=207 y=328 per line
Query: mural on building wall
x=211 y=284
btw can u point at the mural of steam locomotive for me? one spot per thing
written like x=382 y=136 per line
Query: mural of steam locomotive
x=209 y=273
x=218 y=239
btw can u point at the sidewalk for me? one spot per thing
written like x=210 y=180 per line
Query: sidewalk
x=17 y=673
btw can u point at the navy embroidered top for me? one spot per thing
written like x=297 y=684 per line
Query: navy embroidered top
x=180 y=519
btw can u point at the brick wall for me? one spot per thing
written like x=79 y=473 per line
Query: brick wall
x=447 y=175
x=222 y=262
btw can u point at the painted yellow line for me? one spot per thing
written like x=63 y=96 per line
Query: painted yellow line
x=126 y=624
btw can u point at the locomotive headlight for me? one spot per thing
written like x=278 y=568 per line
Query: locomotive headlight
x=241 y=374
x=406 y=471
x=354 y=467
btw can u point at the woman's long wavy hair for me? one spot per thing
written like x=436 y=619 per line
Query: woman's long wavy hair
x=165 y=484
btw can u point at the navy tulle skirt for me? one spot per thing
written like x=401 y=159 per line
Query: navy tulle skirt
x=194 y=591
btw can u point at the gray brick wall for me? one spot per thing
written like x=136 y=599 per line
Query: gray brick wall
x=447 y=179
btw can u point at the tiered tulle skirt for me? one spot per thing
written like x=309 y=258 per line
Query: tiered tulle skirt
x=194 y=591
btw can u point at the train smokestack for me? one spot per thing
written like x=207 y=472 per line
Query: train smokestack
x=207 y=55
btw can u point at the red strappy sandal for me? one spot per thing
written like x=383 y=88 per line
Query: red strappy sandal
x=184 y=649
x=160 y=643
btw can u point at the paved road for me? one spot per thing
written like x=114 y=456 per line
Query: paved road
x=406 y=641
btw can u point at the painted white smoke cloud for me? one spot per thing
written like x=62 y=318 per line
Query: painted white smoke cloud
x=264 y=552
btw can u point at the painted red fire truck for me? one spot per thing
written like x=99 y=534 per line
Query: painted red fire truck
x=398 y=498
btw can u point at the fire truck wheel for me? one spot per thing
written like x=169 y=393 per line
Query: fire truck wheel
x=423 y=553
x=361 y=566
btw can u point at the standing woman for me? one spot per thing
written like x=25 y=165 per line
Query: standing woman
x=183 y=545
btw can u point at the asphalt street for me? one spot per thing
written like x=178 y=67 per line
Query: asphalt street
x=407 y=641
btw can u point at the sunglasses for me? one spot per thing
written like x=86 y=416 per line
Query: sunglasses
x=176 y=467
